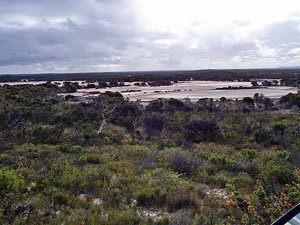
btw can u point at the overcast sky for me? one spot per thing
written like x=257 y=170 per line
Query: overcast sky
x=38 y=36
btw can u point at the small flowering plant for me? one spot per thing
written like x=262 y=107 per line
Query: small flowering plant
x=263 y=206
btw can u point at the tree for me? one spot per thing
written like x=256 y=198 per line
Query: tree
x=107 y=104
x=268 y=103
x=254 y=83
x=102 y=84
x=267 y=83
x=255 y=98
x=223 y=99
x=69 y=87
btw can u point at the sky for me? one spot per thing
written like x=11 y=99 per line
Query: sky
x=133 y=35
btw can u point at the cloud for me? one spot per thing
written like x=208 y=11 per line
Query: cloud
x=104 y=35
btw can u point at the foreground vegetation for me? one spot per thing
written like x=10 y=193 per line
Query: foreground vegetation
x=105 y=160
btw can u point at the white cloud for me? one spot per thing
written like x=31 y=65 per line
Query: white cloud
x=236 y=58
x=177 y=15
x=264 y=50
x=194 y=44
x=165 y=43
x=294 y=51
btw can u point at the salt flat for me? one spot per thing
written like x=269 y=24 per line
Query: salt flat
x=194 y=90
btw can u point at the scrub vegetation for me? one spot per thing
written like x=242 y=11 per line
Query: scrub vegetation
x=105 y=160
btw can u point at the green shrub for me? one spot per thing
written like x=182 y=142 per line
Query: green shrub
x=248 y=154
x=93 y=159
x=66 y=176
x=71 y=148
x=148 y=197
x=10 y=182
x=276 y=167
x=60 y=198
x=223 y=162
x=123 y=218
x=111 y=137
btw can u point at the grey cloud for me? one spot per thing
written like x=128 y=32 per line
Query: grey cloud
x=283 y=39
x=284 y=33
x=95 y=35
x=66 y=41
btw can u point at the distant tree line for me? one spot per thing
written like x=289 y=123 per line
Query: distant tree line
x=215 y=75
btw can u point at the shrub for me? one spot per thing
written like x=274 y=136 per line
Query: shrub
x=291 y=99
x=148 y=197
x=90 y=158
x=154 y=124
x=70 y=149
x=93 y=159
x=248 y=100
x=109 y=137
x=141 y=150
x=65 y=176
x=265 y=136
x=181 y=217
x=201 y=130
x=113 y=94
x=223 y=162
x=155 y=106
x=128 y=109
x=60 y=198
x=174 y=105
x=180 y=199
x=10 y=182
x=123 y=218
x=248 y=154
x=182 y=165
x=45 y=134
x=277 y=169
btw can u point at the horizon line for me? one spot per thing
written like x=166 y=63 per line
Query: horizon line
x=147 y=71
